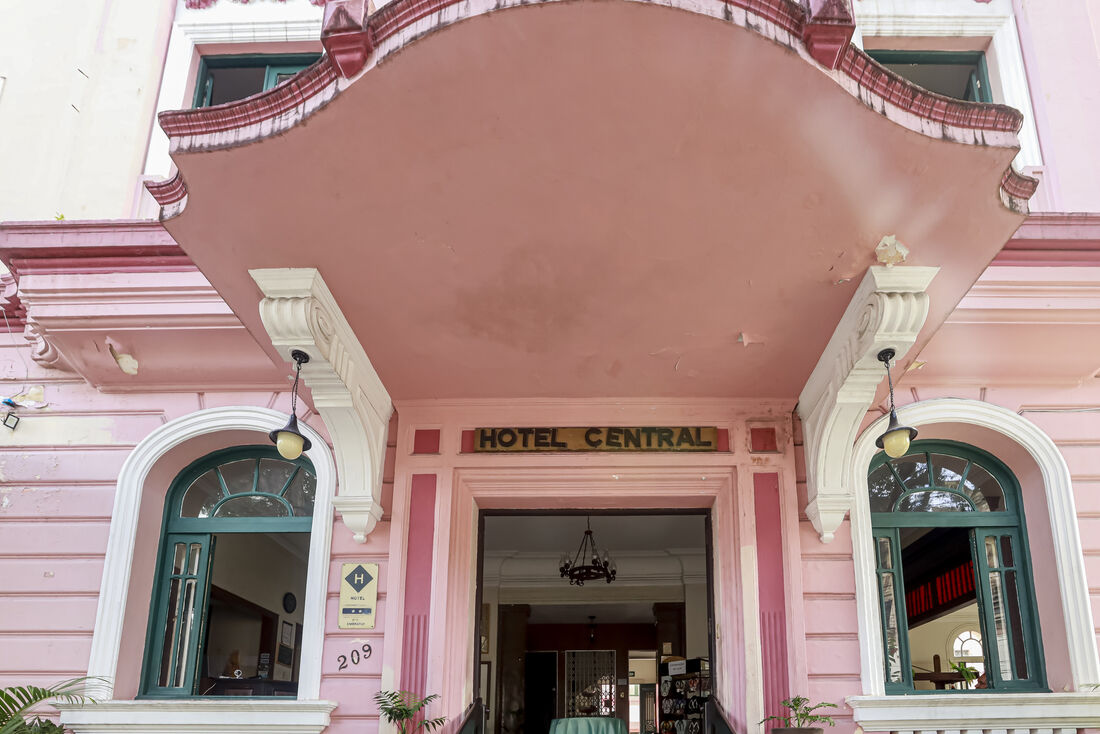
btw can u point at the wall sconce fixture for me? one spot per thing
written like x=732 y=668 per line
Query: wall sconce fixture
x=895 y=440
x=289 y=440
x=591 y=629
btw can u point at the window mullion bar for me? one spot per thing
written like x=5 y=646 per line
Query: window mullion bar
x=290 y=479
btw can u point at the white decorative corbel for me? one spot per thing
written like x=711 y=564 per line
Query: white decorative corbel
x=299 y=312
x=888 y=310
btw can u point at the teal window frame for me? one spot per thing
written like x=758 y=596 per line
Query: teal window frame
x=201 y=531
x=1010 y=522
x=978 y=87
x=274 y=65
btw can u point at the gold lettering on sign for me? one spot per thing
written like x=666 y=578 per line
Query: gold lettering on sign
x=597 y=438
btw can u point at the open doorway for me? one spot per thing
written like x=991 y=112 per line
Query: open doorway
x=622 y=646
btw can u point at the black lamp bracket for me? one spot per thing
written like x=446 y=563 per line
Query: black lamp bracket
x=886 y=356
x=299 y=356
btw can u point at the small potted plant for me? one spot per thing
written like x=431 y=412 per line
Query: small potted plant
x=405 y=711
x=802 y=714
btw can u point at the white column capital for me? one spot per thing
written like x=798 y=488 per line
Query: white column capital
x=299 y=312
x=887 y=310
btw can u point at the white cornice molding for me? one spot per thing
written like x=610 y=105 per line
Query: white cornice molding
x=887 y=310
x=198 y=716
x=977 y=712
x=299 y=312
x=1084 y=659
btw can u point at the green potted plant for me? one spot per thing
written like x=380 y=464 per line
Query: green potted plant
x=802 y=714
x=405 y=711
x=17 y=701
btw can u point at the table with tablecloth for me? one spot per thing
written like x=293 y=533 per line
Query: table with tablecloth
x=588 y=725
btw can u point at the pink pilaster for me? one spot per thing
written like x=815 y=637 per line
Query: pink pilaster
x=773 y=616
x=418 y=584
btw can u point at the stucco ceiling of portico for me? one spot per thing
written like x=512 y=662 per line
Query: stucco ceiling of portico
x=592 y=198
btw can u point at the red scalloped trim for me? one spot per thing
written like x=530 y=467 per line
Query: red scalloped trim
x=1018 y=185
x=400 y=14
x=250 y=110
x=908 y=96
x=168 y=191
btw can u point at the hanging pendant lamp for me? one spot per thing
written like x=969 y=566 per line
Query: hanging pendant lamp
x=896 y=438
x=289 y=440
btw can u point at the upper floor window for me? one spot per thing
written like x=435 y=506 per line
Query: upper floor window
x=958 y=74
x=226 y=614
x=952 y=553
x=224 y=79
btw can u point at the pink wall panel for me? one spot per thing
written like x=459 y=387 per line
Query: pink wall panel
x=36 y=501
x=49 y=576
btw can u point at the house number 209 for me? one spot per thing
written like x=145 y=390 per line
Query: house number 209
x=356 y=656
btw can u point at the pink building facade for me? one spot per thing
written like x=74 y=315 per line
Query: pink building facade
x=688 y=229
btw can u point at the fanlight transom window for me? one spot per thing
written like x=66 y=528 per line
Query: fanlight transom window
x=934 y=482
x=252 y=487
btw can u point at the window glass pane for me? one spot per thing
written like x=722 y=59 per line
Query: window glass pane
x=274 y=475
x=171 y=628
x=884 y=489
x=187 y=623
x=934 y=501
x=1006 y=551
x=177 y=562
x=251 y=506
x=1012 y=603
x=233 y=83
x=991 y=553
x=201 y=496
x=301 y=493
x=986 y=492
x=238 y=475
x=1000 y=624
x=890 y=623
x=193 y=562
x=913 y=470
x=948 y=470
x=884 y=557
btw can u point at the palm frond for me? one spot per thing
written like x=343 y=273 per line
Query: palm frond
x=15 y=701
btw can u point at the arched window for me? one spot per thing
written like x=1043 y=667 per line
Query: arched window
x=951 y=552
x=226 y=614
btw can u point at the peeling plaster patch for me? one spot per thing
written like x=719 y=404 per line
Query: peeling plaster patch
x=748 y=340
x=126 y=362
x=890 y=251
x=5 y=503
x=61 y=430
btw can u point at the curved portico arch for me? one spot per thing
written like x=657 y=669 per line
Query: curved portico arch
x=1084 y=662
x=115 y=586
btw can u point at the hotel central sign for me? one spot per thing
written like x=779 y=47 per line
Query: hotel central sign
x=597 y=438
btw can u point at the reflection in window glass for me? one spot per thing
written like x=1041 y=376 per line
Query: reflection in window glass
x=255 y=505
x=933 y=501
x=912 y=470
x=884 y=489
x=202 y=495
x=982 y=487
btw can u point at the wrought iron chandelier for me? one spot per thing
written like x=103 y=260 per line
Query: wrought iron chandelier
x=589 y=564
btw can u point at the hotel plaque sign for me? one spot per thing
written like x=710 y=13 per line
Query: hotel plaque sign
x=358 y=596
x=596 y=438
